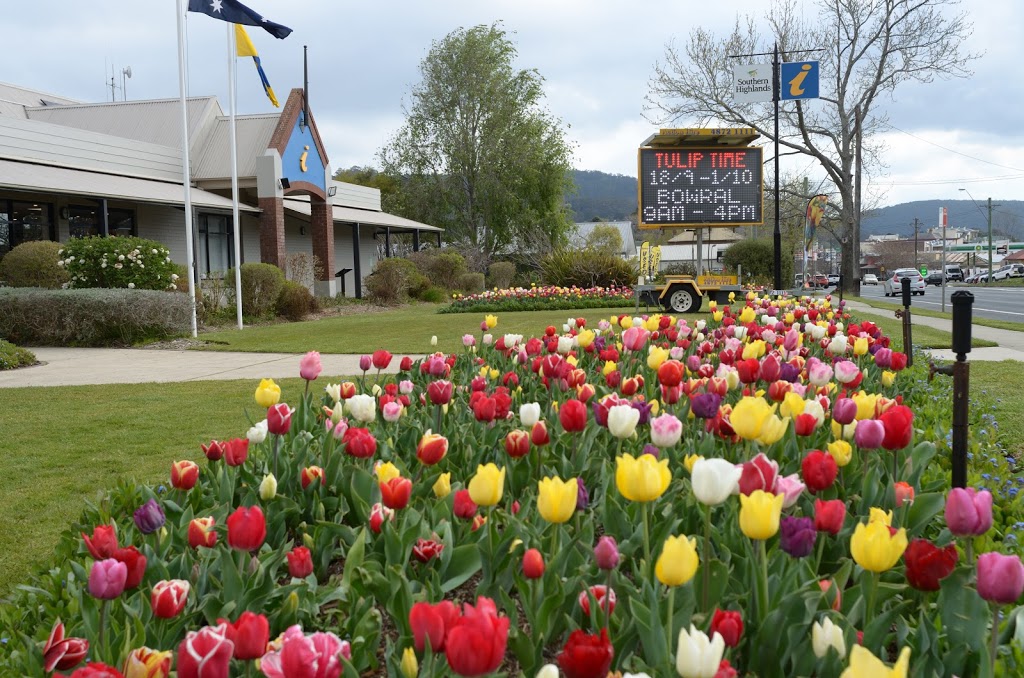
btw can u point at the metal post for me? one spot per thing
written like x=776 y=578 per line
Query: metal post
x=778 y=231
x=387 y=242
x=988 y=281
x=908 y=338
x=960 y=370
x=356 y=262
x=416 y=240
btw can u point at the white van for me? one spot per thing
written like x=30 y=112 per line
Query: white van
x=954 y=272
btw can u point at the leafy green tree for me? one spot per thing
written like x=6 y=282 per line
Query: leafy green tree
x=478 y=155
x=757 y=256
x=605 y=238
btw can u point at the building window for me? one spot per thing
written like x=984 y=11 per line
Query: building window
x=215 y=254
x=23 y=222
x=121 y=222
x=84 y=221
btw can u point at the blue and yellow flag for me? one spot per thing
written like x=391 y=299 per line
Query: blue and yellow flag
x=245 y=48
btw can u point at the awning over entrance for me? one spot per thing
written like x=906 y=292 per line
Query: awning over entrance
x=36 y=178
x=352 y=215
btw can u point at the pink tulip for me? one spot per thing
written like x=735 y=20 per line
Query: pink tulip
x=468 y=340
x=666 y=430
x=107 y=579
x=844 y=411
x=791 y=487
x=1000 y=578
x=606 y=553
x=792 y=340
x=869 y=434
x=968 y=512
x=364 y=363
x=818 y=373
x=310 y=367
x=316 y=656
x=846 y=371
x=634 y=338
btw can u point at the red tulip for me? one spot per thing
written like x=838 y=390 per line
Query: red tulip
x=250 y=634
x=805 y=424
x=395 y=493
x=184 y=474
x=381 y=359
x=348 y=389
x=425 y=550
x=725 y=670
x=62 y=653
x=440 y=392
x=432 y=448
x=829 y=515
x=214 y=451
x=279 y=419
x=136 y=564
x=103 y=542
x=378 y=514
x=463 y=505
x=96 y=670
x=475 y=643
x=748 y=370
x=310 y=475
x=927 y=564
x=201 y=532
x=899 y=361
x=431 y=622
x=539 y=434
x=300 y=562
x=236 y=450
x=484 y=409
x=573 y=416
x=604 y=596
x=586 y=655
x=898 y=422
x=728 y=624
x=517 y=443
x=169 y=597
x=533 y=564
x=406 y=364
x=759 y=474
x=904 y=493
x=670 y=373
x=359 y=443
x=819 y=470
x=206 y=653
x=247 y=528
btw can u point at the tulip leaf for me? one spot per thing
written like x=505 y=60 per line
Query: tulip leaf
x=464 y=563
x=354 y=559
x=924 y=508
x=718 y=581
x=961 y=610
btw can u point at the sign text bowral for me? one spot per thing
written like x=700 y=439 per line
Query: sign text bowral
x=700 y=186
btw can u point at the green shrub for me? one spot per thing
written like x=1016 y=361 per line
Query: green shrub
x=441 y=267
x=471 y=283
x=587 y=268
x=12 y=356
x=181 y=281
x=435 y=295
x=91 y=317
x=415 y=282
x=501 y=274
x=34 y=264
x=758 y=260
x=119 y=263
x=295 y=301
x=261 y=286
x=387 y=284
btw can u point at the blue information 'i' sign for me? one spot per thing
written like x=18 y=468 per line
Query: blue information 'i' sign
x=799 y=80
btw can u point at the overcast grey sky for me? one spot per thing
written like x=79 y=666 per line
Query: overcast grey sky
x=596 y=57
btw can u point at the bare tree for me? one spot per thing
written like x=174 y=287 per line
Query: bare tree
x=893 y=254
x=869 y=48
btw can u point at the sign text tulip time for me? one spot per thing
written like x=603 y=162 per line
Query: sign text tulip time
x=752 y=494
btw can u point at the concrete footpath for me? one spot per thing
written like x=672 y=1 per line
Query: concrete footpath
x=81 y=366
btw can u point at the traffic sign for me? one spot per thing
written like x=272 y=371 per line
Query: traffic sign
x=799 y=80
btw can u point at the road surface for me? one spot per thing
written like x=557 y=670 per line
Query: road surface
x=997 y=303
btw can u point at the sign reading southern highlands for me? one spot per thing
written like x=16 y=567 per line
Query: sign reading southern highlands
x=690 y=186
x=752 y=83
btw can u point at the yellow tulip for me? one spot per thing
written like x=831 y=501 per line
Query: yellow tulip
x=732 y=379
x=760 y=513
x=860 y=346
x=747 y=315
x=486 y=486
x=556 y=499
x=748 y=417
x=652 y=323
x=410 y=666
x=874 y=548
x=790 y=318
x=690 y=460
x=877 y=515
x=387 y=471
x=585 y=338
x=656 y=356
x=841 y=451
x=754 y=349
x=792 y=405
x=626 y=322
x=268 y=393
x=572 y=360
x=642 y=479
x=146 y=663
x=865 y=405
x=614 y=320
x=678 y=561
x=773 y=429
x=717 y=316
x=609 y=367
x=493 y=374
x=491 y=320
x=844 y=432
x=863 y=664
x=712 y=305
x=443 y=486
x=888 y=378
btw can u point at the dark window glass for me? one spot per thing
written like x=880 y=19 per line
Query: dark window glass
x=84 y=221
x=30 y=221
x=121 y=221
x=214 y=244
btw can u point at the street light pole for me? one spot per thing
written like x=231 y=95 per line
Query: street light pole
x=988 y=281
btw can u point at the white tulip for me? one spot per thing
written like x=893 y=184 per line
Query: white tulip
x=433 y=340
x=827 y=635
x=696 y=656
x=622 y=421
x=268 y=488
x=333 y=391
x=740 y=331
x=565 y=344
x=714 y=480
x=700 y=325
x=548 y=671
x=838 y=344
x=488 y=339
x=362 y=407
x=529 y=414
x=815 y=408
x=258 y=433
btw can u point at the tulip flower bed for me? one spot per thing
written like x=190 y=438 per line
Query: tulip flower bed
x=763 y=494
x=540 y=298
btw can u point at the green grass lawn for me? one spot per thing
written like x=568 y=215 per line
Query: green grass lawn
x=403 y=330
x=928 y=313
x=997 y=383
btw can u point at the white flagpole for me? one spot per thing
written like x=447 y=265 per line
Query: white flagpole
x=186 y=173
x=232 y=63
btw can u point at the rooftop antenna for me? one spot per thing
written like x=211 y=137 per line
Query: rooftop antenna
x=125 y=73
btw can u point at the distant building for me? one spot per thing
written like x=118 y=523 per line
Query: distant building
x=581 y=233
x=682 y=249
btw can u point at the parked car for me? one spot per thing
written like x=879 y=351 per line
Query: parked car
x=933 y=278
x=870 y=279
x=954 y=272
x=1009 y=271
x=821 y=280
x=833 y=278
x=893 y=285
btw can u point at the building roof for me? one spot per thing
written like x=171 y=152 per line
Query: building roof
x=719 y=234
x=253 y=133
x=582 y=230
x=36 y=178
x=300 y=205
x=156 y=121
x=15 y=99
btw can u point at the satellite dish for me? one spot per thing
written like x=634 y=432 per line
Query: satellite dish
x=128 y=71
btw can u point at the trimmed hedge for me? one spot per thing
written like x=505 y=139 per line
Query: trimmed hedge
x=34 y=264
x=91 y=317
x=12 y=356
x=295 y=302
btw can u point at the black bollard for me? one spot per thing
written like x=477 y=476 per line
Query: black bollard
x=961 y=373
x=908 y=332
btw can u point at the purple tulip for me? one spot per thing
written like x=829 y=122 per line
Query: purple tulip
x=797 y=535
x=652 y=450
x=606 y=553
x=582 y=496
x=844 y=411
x=1000 y=578
x=705 y=405
x=645 y=411
x=789 y=373
x=107 y=579
x=968 y=512
x=149 y=517
x=693 y=363
x=364 y=363
x=869 y=434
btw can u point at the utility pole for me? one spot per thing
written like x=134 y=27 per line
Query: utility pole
x=988 y=281
x=915 y=242
x=777 y=235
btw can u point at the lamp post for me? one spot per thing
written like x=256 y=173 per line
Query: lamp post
x=988 y=280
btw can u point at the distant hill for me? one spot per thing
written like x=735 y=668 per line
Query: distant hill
x=609 y=197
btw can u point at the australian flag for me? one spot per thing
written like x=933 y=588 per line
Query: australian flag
x=235 y=12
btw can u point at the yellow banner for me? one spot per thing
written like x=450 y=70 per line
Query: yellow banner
x=716 y=280
x=645 y=259
x=655 y=260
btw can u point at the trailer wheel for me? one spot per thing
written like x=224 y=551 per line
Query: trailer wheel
x=682 y=300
